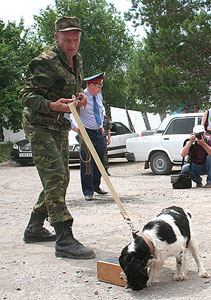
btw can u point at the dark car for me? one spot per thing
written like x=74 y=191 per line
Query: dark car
x=21 y=151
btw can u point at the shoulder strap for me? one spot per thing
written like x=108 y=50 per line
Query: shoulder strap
x=208 y=111
x=206 y=121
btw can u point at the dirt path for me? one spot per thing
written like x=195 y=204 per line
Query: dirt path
x=32 y=272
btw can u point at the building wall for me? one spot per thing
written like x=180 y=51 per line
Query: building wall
x=119 y=114
x=10 y=136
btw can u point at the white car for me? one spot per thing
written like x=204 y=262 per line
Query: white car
x=117 y=148
x=162 y=150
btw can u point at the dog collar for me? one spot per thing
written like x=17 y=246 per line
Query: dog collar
x=149 y=243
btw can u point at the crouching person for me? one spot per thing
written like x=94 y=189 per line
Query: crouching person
x=55 y=80
x=199 y=150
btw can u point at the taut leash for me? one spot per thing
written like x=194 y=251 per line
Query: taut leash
x=100 y=166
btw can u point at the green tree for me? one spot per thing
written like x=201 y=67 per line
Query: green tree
x=106 y=44
x=15 y=53
x=173 y=68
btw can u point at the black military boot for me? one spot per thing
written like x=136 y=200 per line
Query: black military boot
x=67 y=245
x=35 y=232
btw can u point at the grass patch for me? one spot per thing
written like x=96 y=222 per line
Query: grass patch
x=5 y=151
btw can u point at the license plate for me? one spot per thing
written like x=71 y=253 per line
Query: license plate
x=25 y=154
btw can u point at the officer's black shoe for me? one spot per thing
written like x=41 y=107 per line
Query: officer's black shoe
x=35 y=232
x=67 y=245
x=100 y=191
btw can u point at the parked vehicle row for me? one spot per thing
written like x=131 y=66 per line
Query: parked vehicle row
x=21 y=151
x=162 y=150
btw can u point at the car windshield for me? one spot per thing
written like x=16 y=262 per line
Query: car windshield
x=158 y=129
x=162 y=125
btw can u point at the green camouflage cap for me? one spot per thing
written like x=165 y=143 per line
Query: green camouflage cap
x=67 y=24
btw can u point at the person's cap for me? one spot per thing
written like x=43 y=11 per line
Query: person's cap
x=95 y=78
x=198 y=129
x=67 y=24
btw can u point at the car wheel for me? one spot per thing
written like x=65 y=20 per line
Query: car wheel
x=160 y=163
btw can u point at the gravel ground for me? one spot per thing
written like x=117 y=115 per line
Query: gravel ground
x=32 y=272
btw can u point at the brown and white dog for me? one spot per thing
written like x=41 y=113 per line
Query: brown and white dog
x=169 y=234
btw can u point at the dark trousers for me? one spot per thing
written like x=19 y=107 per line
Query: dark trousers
x=92 y=181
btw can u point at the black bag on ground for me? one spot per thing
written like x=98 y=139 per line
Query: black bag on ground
x=181 y=181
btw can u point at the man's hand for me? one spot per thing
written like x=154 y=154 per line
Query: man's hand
x=200 y=142
x=82 y=100
x=192 y=137
x=62 y=104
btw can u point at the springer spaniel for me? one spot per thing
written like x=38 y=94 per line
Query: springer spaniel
x=169 y=234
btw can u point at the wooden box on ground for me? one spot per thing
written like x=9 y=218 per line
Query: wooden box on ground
x=109 y=271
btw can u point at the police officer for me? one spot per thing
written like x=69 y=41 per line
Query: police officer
x=92 y=118
x=55 y=80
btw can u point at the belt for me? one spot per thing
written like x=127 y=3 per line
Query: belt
x=94 y=130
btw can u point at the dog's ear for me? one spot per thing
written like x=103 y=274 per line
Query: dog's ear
x=134 y=234
x=136 y=273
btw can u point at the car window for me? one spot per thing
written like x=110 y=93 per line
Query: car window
x=181 y=126
x=199 y=121
x=113 y=128
x=122 y=129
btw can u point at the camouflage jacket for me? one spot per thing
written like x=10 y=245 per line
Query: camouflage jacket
x=51 y=78
x=107 y=118
x=106 y=124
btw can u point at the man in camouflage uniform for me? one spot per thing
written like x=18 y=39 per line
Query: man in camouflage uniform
x=107 y=134
x=55 y=80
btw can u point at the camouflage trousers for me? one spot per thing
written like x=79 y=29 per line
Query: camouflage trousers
x=50 y=151
x=106 y=163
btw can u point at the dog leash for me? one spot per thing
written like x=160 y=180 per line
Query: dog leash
x=101 y=167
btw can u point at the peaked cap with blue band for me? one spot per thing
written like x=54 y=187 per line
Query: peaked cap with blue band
x=95 y=78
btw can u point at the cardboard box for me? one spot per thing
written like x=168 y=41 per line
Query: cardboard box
x=109 y=271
